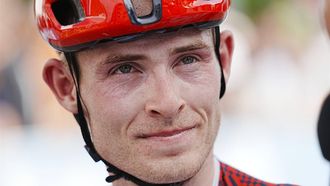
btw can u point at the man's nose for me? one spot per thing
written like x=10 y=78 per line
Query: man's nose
x=165 y=99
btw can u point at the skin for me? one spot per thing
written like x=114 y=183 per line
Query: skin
x=153 y=104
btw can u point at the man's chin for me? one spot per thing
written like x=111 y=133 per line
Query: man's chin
x=173 y=176
x=170 y=170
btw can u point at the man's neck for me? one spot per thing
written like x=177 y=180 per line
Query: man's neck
x=205 y=176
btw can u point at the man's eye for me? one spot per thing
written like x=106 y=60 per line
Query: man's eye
x=124 y=69
x=188 y=60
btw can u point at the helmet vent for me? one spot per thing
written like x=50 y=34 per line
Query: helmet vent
x=142 y=8
x=67 y=12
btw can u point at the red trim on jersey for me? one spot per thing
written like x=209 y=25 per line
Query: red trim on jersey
x=230 y=176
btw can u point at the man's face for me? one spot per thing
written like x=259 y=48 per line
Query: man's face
x=153 y=104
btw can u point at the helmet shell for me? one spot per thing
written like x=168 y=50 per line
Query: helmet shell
x=91 y=21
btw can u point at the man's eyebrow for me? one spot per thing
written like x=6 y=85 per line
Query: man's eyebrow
x=122 y=57
x=134 y=57
x=190 y=47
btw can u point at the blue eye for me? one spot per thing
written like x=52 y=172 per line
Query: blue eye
x=188 y=60
x=124 y=69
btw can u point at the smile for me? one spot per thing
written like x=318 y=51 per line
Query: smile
x=166 y=133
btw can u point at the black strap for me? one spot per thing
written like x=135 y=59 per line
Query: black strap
x=80 y=118
x=217 y=52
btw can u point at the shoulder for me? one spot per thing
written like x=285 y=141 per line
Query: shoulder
x=231 y=176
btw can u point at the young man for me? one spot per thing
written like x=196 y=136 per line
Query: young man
x=144 y=80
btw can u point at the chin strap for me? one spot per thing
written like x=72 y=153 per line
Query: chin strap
x=117 y=174
x=81 y=120
x=79 y=116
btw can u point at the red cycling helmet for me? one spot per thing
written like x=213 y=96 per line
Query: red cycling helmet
x=72 y=25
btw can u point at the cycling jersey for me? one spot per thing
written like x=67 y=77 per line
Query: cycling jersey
x=229 y=176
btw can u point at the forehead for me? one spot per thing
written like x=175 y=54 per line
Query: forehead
x=152 y=43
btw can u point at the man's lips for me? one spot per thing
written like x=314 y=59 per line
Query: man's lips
x=165 y=133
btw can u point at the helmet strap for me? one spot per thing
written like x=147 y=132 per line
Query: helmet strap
x=217 y=52
x=79 y=116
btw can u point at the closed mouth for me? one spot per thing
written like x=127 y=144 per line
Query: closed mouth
x=165 y=133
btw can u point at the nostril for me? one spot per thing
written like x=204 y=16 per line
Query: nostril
x=181 y=107
x=154 y=112
x=165 y=110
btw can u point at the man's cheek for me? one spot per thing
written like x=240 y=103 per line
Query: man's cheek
x=207 y=89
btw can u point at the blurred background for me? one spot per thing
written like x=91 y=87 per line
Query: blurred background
x=280 y=76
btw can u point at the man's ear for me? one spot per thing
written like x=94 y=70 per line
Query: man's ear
x=226 y=52
x=58 y=78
